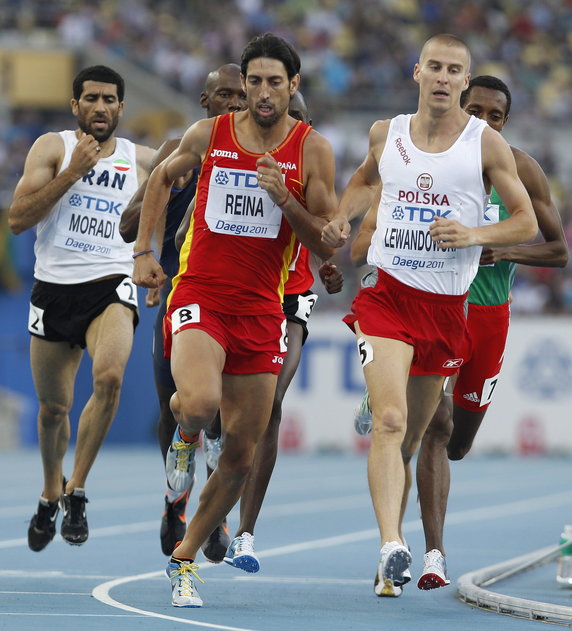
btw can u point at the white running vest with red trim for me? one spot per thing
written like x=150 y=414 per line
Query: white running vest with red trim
x=417 y=187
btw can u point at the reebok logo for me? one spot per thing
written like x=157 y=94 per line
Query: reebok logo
x=453 y=363
x=402 y=151
x=473 y=397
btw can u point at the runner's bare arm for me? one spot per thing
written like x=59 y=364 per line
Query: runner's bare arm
x=318 y=184
x=358 y=194
x=500 y=169
x=362 y=240
x=144 y=156
x=553 y=251
x=184 y=226
x=40 y=186
x=331 y=277
x=147 y=272
x=130 y=216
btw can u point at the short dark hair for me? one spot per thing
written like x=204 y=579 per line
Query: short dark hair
x=273 y=47
x=102 y=74
x=492 y=83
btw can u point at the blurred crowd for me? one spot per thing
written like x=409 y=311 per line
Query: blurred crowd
x=357 y=55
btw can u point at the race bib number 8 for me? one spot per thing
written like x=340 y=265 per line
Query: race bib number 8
x=236 y=205
x=185 y=315
x=284 y=336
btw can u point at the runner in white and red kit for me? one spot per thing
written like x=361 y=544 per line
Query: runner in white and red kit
x=436 y=168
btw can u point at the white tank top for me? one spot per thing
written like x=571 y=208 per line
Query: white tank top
x=417 y=186
x=79 y=240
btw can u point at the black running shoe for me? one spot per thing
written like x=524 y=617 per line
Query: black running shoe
x=215 y=547
x=43 y=525
x=174 y=523
x=74 y=525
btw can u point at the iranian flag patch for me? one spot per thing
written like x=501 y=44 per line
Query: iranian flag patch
x=121 y=165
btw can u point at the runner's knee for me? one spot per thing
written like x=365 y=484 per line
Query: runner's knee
x=194 y=408
x=457 y=451
x=388 y=424
x=52 y=413
x=107 y=383
x=236 y=458
x=441 y=426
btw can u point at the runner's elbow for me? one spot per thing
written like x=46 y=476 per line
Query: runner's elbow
x=15 y=224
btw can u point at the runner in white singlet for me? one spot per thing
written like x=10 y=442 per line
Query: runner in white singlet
x=412 y=321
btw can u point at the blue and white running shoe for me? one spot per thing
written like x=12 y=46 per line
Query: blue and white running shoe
x=240 y=553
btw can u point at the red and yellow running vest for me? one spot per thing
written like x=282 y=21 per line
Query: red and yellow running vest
x=239 y=246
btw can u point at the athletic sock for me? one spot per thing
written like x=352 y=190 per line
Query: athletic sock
x=181 y=559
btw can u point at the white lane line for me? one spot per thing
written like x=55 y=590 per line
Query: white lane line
x=30 y=593
x=295 y=580
x=51 y=574
x=349 y=502
x=109 y=531
x=68 y=615
x=103 y=503
x=102 y=592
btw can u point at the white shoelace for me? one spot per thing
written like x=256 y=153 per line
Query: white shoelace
x=245 y=544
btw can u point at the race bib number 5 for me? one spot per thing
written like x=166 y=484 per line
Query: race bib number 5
x=365 y=350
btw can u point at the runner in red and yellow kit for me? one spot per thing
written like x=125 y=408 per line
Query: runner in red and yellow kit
x=225 y=309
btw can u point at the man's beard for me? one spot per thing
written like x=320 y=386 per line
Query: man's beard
x=267 y=121
x=100 y=136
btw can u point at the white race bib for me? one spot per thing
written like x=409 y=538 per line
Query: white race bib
x=36 y=320
x=305 y=306
x=89 y=224
x=237 y=205
x=407 y=242
x=185 y=315
x=127 y=291
x=492 y=215
x=488 y=389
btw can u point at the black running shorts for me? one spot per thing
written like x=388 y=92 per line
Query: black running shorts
x=298 y=308
x=63 y=313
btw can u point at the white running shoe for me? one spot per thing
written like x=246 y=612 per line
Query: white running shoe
x=212 y=448
x=434 y=571
x=385 y=587
x=394 y=561
x=240 y=553
x=180 y=462
x=184 y=592
x=406 y=576
x=362 y=418
x=407 y=572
